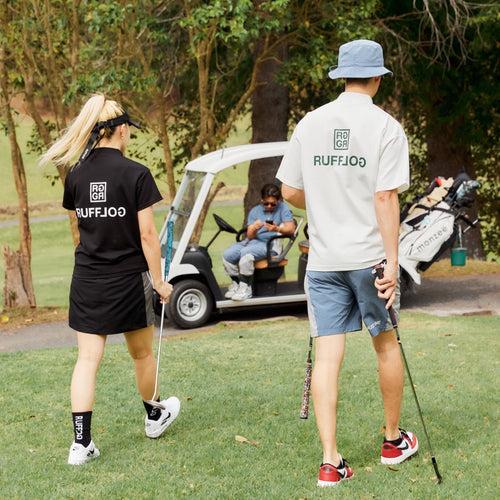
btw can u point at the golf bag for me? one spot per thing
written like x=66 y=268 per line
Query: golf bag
x=429 y=224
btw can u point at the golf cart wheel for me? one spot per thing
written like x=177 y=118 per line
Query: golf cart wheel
x=190 y=304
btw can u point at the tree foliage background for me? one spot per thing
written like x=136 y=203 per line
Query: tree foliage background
x=446 y=59
x=188 y=69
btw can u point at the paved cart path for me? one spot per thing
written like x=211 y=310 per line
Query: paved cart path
x=456 y=295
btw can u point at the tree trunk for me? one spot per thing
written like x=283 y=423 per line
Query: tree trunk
x=196 y=236
x=446 y=157
x=14 y=290
x=269 y=119
x=165 y=142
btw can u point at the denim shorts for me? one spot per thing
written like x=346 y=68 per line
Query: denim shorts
x=339 y=300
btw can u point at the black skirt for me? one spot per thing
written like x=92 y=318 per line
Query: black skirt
x=110 y=305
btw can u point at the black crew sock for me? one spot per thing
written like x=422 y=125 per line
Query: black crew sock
x=245 y=279
x=153 y=412
x=81 y=426
x=395 y=442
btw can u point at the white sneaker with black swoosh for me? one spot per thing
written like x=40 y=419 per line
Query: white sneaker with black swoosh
x=79 y=454
x=155 y=428
x=395 y=454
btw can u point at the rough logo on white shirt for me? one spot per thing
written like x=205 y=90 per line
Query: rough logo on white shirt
x=341 y=138
x=339 y=161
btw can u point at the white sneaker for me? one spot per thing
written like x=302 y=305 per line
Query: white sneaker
x=244 y=292
x=231 y=290
x=155 y=428
x=79 y=454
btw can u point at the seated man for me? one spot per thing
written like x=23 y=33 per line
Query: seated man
x=265 y=220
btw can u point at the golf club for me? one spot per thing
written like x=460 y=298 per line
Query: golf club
x=304 y=409
x=168 y=257
x=379 y=271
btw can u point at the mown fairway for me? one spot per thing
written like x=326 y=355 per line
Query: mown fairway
x=246 y=381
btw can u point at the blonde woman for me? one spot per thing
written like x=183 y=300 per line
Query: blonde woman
x=117 y=262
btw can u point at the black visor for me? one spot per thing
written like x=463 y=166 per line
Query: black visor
x=114 y=122
x=94 y=136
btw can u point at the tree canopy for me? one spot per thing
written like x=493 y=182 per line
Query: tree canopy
x=188 y=69
x=446 y=59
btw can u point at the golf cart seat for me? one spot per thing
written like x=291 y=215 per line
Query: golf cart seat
x=304 y=244
x=304 y=256
x=264 y=264
x=277 y=260
x=270 y=269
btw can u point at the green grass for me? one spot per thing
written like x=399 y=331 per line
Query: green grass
x=52 y=253
x=40 y=188
x=52 y=248
x=246 y=380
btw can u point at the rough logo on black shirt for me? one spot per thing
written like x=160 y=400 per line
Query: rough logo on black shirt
x=86 y=213
x=97 y=192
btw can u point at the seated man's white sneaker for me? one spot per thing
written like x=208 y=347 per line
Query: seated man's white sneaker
x=155 y=428
x=79 y=454
x=231 y=290
x=244 y=292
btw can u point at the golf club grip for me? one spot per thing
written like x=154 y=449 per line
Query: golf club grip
x=168 y=249
x=304 y=409
x=379 y=271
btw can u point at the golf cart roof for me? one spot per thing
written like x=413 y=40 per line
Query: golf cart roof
x=218 y=160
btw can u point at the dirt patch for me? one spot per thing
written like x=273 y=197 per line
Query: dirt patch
x=231 y=193
x=37 y=209
x=12 y=319
x=443 y=268
x=48 y=208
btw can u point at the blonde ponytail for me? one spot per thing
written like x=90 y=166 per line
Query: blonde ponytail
x=72 y=142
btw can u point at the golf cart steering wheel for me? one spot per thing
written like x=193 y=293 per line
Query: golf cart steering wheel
x=223 y=225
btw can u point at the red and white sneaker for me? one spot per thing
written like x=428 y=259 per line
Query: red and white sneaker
x=329 y=475
x=392 y=454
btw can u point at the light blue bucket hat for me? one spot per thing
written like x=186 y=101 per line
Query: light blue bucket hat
x=359 y=59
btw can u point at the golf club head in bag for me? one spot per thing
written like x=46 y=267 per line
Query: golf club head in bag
x=429 y=225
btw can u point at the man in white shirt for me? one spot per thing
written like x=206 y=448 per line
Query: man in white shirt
x=345 y=164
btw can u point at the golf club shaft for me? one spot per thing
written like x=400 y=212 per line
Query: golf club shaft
x=380 y=274
x=168 y=258
x=434 y=463
x=304 y=410
x=159 y=351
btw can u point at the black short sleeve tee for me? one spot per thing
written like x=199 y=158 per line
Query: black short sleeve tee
x=107 y=191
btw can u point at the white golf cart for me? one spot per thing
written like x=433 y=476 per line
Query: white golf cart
x=197 y=294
